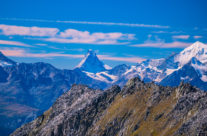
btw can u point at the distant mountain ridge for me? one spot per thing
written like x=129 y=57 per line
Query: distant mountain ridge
x=25 y=87
x=160 y=71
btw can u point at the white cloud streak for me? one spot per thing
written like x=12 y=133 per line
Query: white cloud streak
x=23 y=53
x=13 y=53
x=72 y=33
x=67 y=36
x=41 y=44
x=160 y=44
x=16 y=43
x=28 y=31
x=88 y=23
x=85 y=37
x=125 y=59
x=197 y=37
x=92 y=37
x=185 y=37
x=82 y=41
x=167 y=32
x=114 y=24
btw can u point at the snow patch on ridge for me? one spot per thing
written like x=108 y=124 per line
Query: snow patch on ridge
x=102 y=76
x=107 y=67
x=204 y=78
x=3 y=64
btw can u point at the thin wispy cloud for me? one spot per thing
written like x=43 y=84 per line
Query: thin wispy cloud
x=81 y=41
x=185 y=37
x=197 y=37
x=41 y=44
x=67 y=36
x=72 y=33
x=114 y=24
x=88 y=23
x=124 y=59
x=167 y=32
x=155 y=42
x=85 y=37
x=161 y=44
x=13 y=53
x=16 y=43
x=28 y=31
x=25 y=54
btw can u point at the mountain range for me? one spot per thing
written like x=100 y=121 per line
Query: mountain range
x=138 y=109
x=190 y=65
x=28 y=89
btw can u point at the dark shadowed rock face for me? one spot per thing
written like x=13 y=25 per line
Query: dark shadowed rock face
x=138 y=109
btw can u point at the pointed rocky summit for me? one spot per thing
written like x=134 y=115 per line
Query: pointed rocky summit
x=91 y=63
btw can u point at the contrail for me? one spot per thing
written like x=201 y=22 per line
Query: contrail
x=87 y=22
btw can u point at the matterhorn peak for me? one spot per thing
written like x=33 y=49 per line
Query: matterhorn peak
x=91 y=52
x=91 y=63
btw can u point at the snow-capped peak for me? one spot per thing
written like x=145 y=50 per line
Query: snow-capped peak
x=197 y=50
x=90 y=53
x=91 y=63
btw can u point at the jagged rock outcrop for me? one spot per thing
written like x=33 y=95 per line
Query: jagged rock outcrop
x=139 y=109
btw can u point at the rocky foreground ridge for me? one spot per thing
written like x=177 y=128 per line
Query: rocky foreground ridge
x=139 y=109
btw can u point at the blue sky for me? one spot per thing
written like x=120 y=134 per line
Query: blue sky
x=61 y=32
